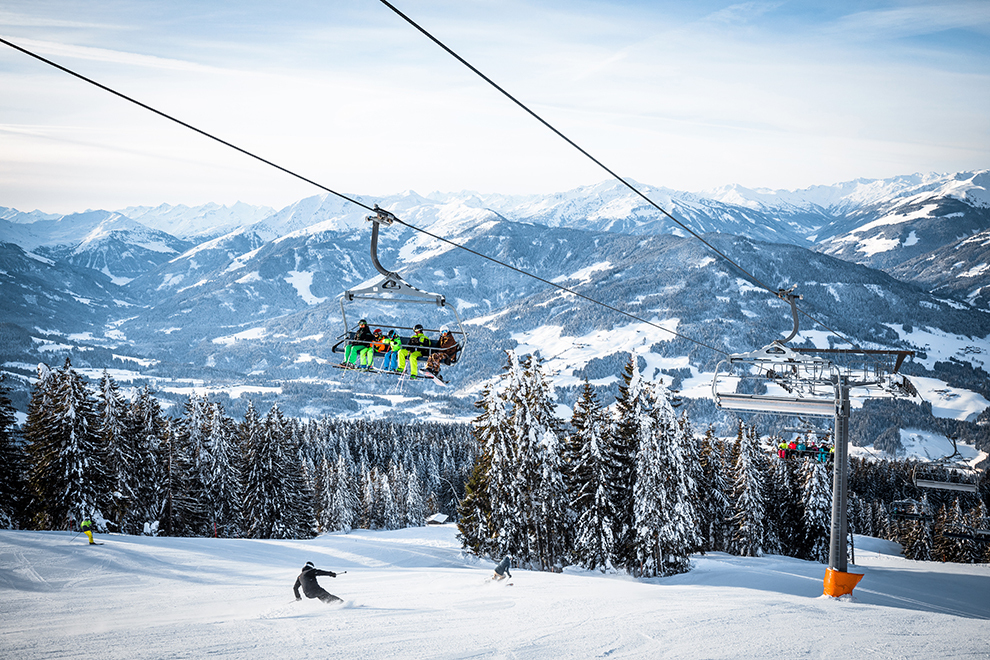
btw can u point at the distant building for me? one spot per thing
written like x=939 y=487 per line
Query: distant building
x=436 y=519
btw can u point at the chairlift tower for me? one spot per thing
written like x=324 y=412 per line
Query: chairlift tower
x=799 y=382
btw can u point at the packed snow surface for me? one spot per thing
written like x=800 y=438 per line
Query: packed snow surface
x=414 y=594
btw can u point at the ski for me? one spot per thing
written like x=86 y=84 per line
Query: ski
x=422 y=375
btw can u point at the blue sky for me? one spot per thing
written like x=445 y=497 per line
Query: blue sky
x=687 y=95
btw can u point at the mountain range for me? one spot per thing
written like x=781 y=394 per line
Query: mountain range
x=246 y=299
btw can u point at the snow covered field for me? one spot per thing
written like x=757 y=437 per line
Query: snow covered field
x=413 y=594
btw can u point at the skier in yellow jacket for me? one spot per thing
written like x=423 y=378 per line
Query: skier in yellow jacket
x=87 y=529
x=419 y=342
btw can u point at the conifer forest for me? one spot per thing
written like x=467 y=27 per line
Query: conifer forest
x=627 y=485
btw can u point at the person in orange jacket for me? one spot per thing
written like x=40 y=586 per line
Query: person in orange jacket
x=377 y=345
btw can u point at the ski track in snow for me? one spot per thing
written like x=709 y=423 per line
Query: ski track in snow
x=414 y=594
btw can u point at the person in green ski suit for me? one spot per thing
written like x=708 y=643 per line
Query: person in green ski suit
x=419 y=341
x=394 y=344
x=362 y=340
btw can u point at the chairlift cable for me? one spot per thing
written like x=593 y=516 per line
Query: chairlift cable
x=600 y=164
x=345 y=197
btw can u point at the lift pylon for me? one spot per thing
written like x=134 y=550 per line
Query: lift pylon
x=799 y=382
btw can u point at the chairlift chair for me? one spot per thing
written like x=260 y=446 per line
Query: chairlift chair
x=391 y=289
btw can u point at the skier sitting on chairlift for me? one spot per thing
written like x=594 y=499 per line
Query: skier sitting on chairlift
x=361 y=340
x=445 y=353
x=419 y=342
x=378 y=345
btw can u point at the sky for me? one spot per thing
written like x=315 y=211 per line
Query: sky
x=686 y=95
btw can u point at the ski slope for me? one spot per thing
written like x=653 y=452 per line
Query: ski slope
x=413 y=594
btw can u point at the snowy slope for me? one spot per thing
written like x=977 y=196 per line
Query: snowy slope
x=413 y=594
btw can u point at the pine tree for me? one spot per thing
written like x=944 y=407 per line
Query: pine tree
x=749 y=498
x=713 y=501
x=119 y=437
x=664 y=490
x=475 y=509
x=144 y=477
x=976 y=519
x=919 y=541
x=277 y=497
x=785 y=507
x=12 y=465
x=221 y=473
x=180 y=491
x=538 y=432
x=594 y=539
x=67 y=460
x=501 y=529
x=816 y=504
x=665 y=520
x=629 y=411
x=414 y=501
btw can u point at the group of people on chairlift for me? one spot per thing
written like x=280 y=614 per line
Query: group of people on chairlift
x=365 y=345
x=822 y=452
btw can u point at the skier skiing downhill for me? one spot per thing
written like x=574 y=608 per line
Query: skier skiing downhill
x=502 y=570
x=87 y=528
x=310 y=587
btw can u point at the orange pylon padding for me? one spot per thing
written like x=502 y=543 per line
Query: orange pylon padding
x=838 y=583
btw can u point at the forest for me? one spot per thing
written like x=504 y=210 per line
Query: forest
x=624 y=486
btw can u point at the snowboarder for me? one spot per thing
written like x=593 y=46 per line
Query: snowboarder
x=310 y=587
x=502 y=570
x=87 y=529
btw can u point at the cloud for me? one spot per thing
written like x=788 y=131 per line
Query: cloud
x=742 y=12
x=915 y=20
x=54 y=50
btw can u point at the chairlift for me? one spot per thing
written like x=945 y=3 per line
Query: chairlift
x=806 y=381
x=953 y=467
x=967 y=533
x=390 y=290
x=818 y=449
x=907 y=509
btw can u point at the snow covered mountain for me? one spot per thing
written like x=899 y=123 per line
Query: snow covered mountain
x=890 y=231
x=256 y=309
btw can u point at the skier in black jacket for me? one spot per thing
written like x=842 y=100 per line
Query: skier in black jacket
x=310 y=587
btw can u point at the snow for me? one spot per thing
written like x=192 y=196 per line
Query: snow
x=564 y=353
x=584 y=275
x=253 y=333
x=302 y=281
x=950 y=402
x=877 y=244
x=413 y=594
x=976 y=271
x=234 y=392
x=940 y=346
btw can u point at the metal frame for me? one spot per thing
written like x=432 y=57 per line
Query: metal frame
x=393 y=289
x=804 y=376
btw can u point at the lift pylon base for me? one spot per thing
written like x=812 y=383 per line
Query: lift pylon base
x=839 y=583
